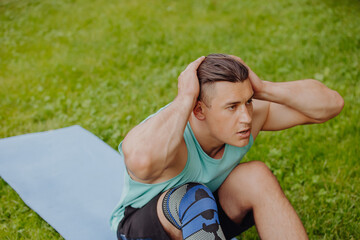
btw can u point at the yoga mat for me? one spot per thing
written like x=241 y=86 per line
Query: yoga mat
x=70 y=177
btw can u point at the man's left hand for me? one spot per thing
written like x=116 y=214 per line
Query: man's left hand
x=257 y=84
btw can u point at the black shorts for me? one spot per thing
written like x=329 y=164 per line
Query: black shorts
x=143 y=223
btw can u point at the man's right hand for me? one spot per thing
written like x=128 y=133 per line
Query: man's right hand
x=188 y=83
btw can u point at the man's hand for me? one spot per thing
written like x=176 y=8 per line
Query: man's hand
x=257 y=84
x=188 y=83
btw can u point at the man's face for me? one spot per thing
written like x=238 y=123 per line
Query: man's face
x=229 y=115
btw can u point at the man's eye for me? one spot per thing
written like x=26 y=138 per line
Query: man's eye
x=249 y=101
x=231 y=108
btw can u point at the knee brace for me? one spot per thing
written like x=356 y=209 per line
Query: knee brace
x=192 y=209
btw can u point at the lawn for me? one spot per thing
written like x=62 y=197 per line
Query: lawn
x=108 y=64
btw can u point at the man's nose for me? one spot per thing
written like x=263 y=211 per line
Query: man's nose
x=244 y=115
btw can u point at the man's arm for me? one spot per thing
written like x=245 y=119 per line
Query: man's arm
x=298 y=102
x=287 y=104
x=154 y=145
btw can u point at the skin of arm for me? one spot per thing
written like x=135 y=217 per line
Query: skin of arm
x=157 y=144
x=281 y=105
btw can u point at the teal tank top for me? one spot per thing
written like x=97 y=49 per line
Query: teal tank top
x=199 y=167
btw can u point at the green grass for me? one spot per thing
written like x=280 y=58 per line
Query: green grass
x=108 y=64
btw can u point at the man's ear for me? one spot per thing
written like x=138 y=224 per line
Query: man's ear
x=199 y=110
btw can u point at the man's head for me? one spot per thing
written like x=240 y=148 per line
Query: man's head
x=216 y=68
x=224 y=106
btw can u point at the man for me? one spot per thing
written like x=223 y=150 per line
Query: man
x=184 y=179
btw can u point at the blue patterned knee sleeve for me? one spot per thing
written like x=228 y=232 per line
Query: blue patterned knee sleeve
x=192 y=209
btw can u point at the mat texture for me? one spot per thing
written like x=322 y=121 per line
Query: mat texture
x=70 y=177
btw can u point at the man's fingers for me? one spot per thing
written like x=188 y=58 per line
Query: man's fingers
x=239 y=59
x=252 y=75
x=195 y=64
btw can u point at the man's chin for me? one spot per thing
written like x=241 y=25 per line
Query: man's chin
x=241 y=143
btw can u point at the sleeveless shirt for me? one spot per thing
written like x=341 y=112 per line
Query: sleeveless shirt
x=199 y=167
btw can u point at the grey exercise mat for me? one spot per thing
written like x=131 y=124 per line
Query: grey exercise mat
x=70 y=177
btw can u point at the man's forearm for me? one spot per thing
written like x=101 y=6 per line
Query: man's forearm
x=310 y=97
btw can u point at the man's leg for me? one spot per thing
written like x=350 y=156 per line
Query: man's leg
x=191 y=208
x=252 y=186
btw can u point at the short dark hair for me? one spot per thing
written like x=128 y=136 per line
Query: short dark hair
x=219 y=67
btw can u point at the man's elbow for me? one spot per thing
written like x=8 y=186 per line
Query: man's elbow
x=339 y=104
x=334 y=107
x=138 y=163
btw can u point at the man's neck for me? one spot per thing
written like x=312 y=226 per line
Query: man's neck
x=211 y=146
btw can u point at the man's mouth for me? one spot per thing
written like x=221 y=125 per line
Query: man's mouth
x=244 y=133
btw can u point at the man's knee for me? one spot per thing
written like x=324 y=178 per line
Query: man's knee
x=258 y=170
x=258 y=177
x=192 y=208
